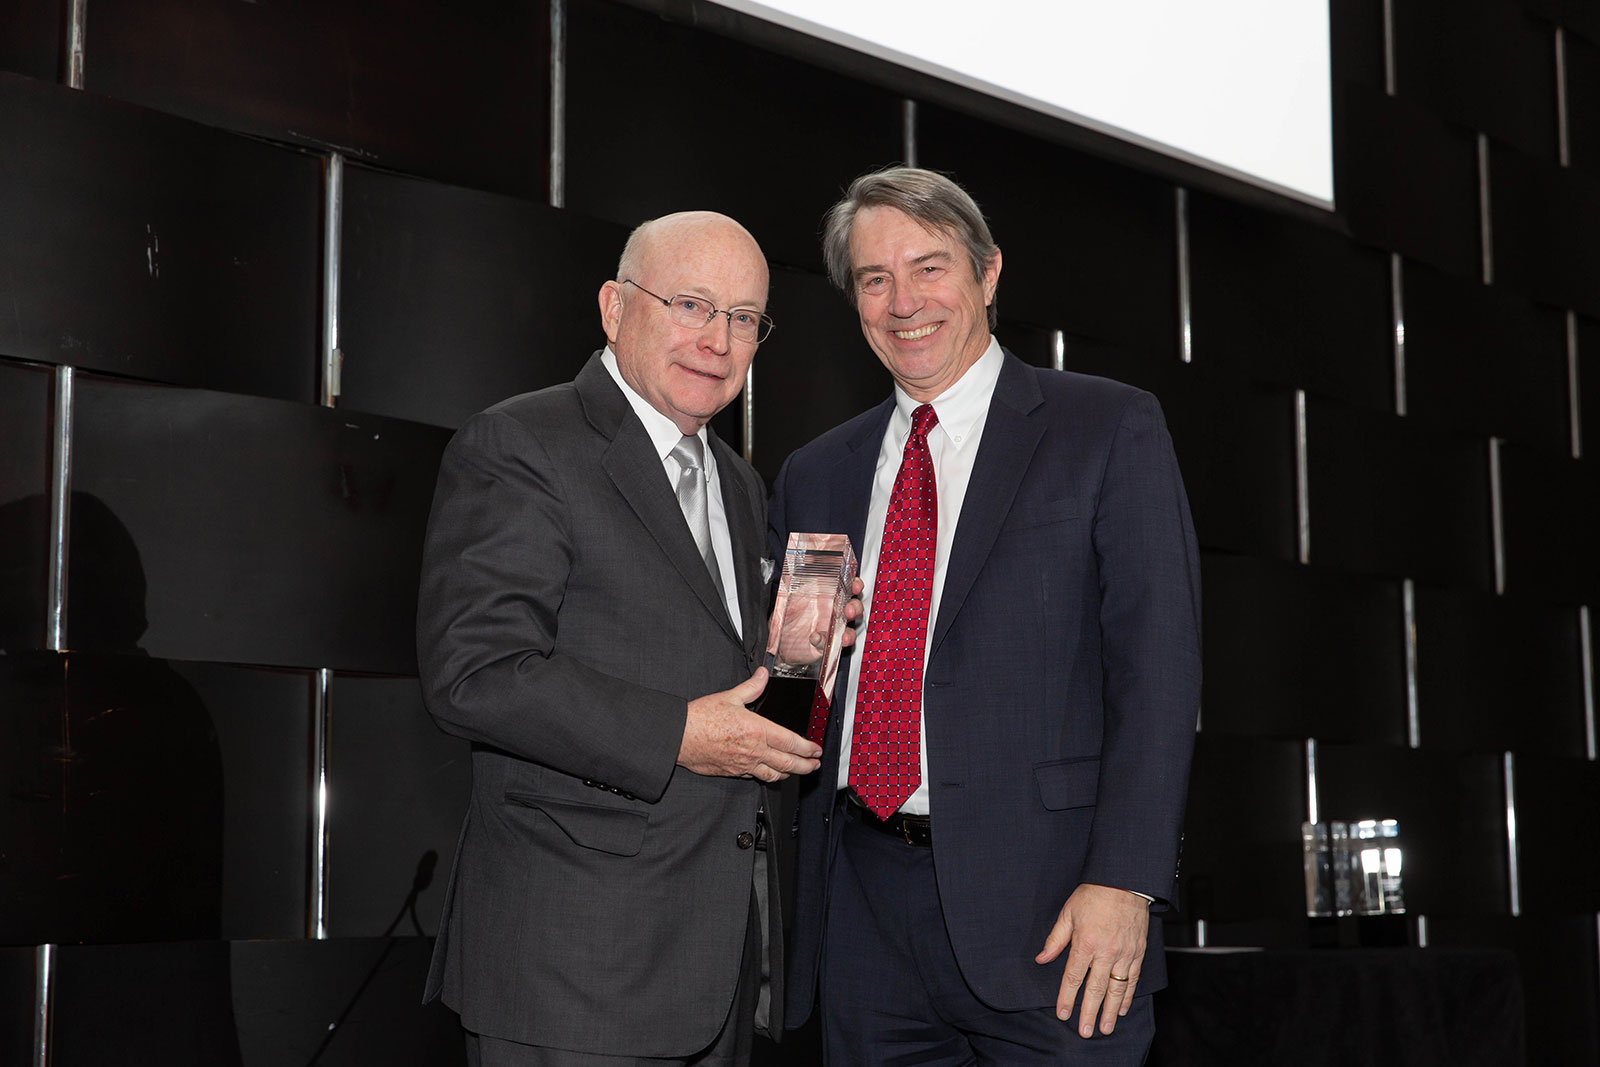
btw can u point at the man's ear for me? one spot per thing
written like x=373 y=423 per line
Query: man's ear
x=611 y=309
x=991 y=278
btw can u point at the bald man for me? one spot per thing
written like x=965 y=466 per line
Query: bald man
x=591 y=617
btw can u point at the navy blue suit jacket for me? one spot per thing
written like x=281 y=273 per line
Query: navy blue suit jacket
x=1063 y=677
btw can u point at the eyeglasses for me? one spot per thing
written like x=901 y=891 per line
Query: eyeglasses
x=696 y=312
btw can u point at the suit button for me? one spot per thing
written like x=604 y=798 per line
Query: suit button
x=745 y=839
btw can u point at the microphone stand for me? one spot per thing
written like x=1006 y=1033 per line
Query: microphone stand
x=419 y=882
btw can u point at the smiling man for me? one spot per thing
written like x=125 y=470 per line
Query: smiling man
x=591 y=613
x=1005 y=757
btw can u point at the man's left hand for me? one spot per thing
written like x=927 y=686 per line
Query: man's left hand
x=1106 y=928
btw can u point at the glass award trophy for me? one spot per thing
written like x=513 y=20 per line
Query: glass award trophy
x=806 y=632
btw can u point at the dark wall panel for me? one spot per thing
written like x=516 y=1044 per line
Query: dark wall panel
x=664 y=118
x=1405 y=180
x=153 y=800
x=1552 y=525
x=453 y=299
x=1323 y=326
x=265 y=532
x=1560 y=978
x=1583 y=104
x=459 y=93
x=1497 y=673
x=1483 y=360
x=400 y=788
x=1579 y=15
x=1481 y=63
x=1241 y=848
x=27 y=413
x=1558 y=835
x=1356 y=28
x=1388 y=497
x=1086 y=246
x=17 y=966
x=1452 y=816
x=143 y=1004
x=814 y=372
x=289 y=992
x=31 y=38
x=1294 y=651
x=145 y=245
x=1544 y=220
x=112 y=817
x=263 y=729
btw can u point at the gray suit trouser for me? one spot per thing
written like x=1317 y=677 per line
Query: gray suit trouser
x=730 y=1049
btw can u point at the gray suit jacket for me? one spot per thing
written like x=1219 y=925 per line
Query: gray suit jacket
x=600 y=893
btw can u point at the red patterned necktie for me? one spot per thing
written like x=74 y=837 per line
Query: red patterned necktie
x=884 y=754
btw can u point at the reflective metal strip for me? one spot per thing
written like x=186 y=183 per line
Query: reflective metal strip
x=1388 y=47
x=558 y=103
x=1574 y=399
x=1497 y=516
x=1185 y=307
x=1513 y=871
x=1397 y=300
x=332 y=251
x=750 y=415
x=317 y=922
x=1058 y=349
x=1422 y=931
x=1563 y=118
x=77 y=19
x=1313 y=802
x=1586 y=657
x=44 y=958
x=1302 y=488
x=1485 y=218
x=1408 y=594
x=55 y=637
x=908 y=131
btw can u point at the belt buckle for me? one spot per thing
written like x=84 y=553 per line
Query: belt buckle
x=915 y=829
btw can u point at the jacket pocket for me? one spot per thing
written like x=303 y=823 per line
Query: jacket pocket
x=614 y=830
x=1041 y=513
x=1064 y=784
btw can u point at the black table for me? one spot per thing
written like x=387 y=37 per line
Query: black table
x=1348 y=1006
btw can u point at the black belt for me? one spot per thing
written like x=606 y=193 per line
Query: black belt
x=911 y=829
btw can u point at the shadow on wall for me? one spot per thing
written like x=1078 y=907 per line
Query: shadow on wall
x=112 y=815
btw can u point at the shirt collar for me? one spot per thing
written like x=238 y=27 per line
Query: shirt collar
x=961 y=406
x=664 y=434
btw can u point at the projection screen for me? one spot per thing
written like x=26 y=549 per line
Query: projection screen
x=1240 y=87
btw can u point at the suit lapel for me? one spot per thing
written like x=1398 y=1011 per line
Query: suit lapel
x=856 y=470
x=852 y=496
x=634 y=468
x=1009 y=439
x=746 y=536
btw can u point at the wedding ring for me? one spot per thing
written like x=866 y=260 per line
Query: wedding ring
x=1119 y=978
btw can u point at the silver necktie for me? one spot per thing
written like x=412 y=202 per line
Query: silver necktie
x=690 y=455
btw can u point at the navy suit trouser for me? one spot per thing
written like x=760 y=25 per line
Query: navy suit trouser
x=892 y=992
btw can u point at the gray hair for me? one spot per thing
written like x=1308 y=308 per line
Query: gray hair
x=938 y=203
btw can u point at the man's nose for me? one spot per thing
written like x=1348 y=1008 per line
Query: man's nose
x=717 y=334
x=904 y=302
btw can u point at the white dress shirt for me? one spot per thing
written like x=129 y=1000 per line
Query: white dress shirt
x=665 y=435
x=963 y=409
